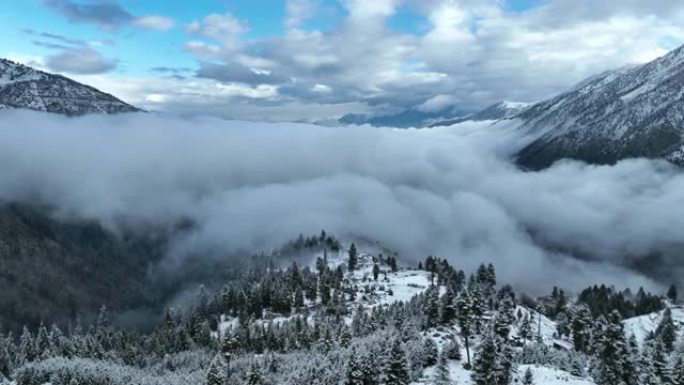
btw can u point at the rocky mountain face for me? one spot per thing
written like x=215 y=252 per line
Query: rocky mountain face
x=632 y=112
x=24 y=87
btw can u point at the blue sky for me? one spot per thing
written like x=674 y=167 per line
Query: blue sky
x=138 y=50
x=317 y=59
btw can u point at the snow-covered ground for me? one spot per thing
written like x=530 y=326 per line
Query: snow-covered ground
x=404 y=284
x=641 y=326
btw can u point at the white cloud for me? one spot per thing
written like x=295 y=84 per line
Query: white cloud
x=445 y=192
x=155 y=22
x=475 y=51
x=80 y=61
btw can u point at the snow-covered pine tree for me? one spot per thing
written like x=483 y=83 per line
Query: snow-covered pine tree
x=442 y=375
x=666 y=331
x=612 y=355
x=431 y=306
x=581 y=328
x=353 y=373
x=396 y=367
x=528 y=378
x=430 y=352
x=218 y=371
x=464 y=304
x=448 y=306
x=485 y=366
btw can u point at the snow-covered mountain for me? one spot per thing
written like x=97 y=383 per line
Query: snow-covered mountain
x=24 y=87
x=412 y=117
x=498 y=111
x=631 y=112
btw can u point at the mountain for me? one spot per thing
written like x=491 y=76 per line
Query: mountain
x=24 y=87
x=412 y=117
x=52 y=270
x=498 y=111
x=631 y=112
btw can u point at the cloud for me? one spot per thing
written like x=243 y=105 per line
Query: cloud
x=476 y=52
x=108 y=14
x=155 y=22
x=80 y=61
x=448 y=192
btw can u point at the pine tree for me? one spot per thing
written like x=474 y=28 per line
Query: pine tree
x=448 y=306
x=376 y=272
x=396 y=368
x=430 y=352
x=218 y=371
x=353 y=258
x=613 y=354
x=485 y=365
x=666 y=331
x=464 y=303
x=442 y=376
x=581 y=328
x=528 y=379
x=431 y=307
x=672 y=293
x=526 y=328
x=354 y=373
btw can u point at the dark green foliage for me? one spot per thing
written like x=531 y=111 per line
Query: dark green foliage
x=353 y=258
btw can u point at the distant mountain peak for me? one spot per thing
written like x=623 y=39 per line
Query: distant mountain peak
x=27 y=88
x=501 y=110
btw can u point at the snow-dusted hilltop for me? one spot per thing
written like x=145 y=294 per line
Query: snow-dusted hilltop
x=631 y=112
x=24 y=87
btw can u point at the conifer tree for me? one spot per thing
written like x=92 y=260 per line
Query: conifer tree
x=431 y=307
x=442 y=376
x=672 y=293
x=448 y=306
x=354 y=372
x=581 y=328
x=353 y=258
x=430 y=352
x=218 y=371
x=528 y=379
x=396 y=367
x=464 y=303
x=666 y=331
x=485 y=365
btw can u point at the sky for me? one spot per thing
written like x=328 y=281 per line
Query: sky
x=316 y=60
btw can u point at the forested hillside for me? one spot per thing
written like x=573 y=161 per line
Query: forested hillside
x=347 y=316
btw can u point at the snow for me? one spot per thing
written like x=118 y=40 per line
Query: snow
x=641 y=326
x=548 y=376
x=514 y=105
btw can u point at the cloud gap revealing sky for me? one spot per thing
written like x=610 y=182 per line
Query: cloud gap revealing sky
x=313 y=60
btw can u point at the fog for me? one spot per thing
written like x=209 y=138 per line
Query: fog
x=450 y=192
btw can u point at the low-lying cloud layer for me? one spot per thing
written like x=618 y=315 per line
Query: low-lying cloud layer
x=450 y=192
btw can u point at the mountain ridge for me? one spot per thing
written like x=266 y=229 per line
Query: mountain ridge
x=24 y=87
x=627 y=113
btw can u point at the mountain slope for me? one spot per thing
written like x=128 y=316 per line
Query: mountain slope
x=52 y=270
x=498 y=111
x=24 y=87
x=631 y=112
